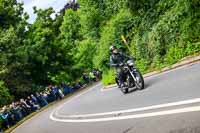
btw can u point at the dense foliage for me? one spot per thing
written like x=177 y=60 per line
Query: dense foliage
x=159 y=33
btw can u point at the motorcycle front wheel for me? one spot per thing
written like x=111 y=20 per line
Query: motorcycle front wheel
x=139 y=83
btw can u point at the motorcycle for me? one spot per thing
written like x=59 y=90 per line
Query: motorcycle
x=131 y=77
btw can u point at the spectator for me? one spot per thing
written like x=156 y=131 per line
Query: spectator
x=29 y=102
x=76 y=86
x=43 y=99
x=34 y=106
x=25 y=107
x=97 y=73
x=61 y=95
x=16 y=115
x=24 y=110
x=56 y=92
x=80 y=84
x=52 y=95
x=34 y=99
x=45 y=95
x=66 y=88
x=5 y=117
x=18 y=110
x=86 y=78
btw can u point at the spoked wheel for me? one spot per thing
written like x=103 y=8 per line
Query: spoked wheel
x=139 y=80
x=124 y=88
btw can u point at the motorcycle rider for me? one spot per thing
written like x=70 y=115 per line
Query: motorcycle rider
x=117 y=60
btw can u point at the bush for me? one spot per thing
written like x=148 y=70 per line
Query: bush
x=108 y=77
x=143 y=65
x=173 y=55
x=120 y=24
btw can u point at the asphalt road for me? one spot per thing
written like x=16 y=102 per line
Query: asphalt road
x=170 y=103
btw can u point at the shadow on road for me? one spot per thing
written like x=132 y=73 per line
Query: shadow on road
x=152 y=81
x=148 y=84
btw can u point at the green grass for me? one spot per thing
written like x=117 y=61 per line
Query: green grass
x=108 y=77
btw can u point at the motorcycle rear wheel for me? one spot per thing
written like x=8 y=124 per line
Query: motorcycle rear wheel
x=124 y=90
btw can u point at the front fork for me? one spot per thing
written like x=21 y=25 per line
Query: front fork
x=133 y=76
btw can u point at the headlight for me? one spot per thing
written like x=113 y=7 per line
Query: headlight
x=130 y=63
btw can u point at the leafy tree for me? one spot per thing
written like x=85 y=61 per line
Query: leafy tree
x=85 y=54
x=121 y=24
x=10 y=13
x=70 y=30
x=5 y=96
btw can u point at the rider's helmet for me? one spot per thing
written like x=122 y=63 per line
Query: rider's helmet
x=112 y=48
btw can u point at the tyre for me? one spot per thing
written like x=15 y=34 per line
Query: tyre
x=139 y=80
x=124 y=90
x=130 y=82
x=117 y=81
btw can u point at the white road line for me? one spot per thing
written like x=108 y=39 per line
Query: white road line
x=196 y=100
x=145 y=115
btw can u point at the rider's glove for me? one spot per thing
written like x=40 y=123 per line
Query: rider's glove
x=121 y=64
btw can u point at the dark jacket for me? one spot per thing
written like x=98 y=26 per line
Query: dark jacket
x=117 y=59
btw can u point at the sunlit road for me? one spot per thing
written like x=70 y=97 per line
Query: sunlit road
x=170 y=103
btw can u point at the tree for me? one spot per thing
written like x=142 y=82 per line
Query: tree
x=85 y=54
x=10 y=13
x=70 y=5
x=5 y=96
x=70 y=31
x=121 y=24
